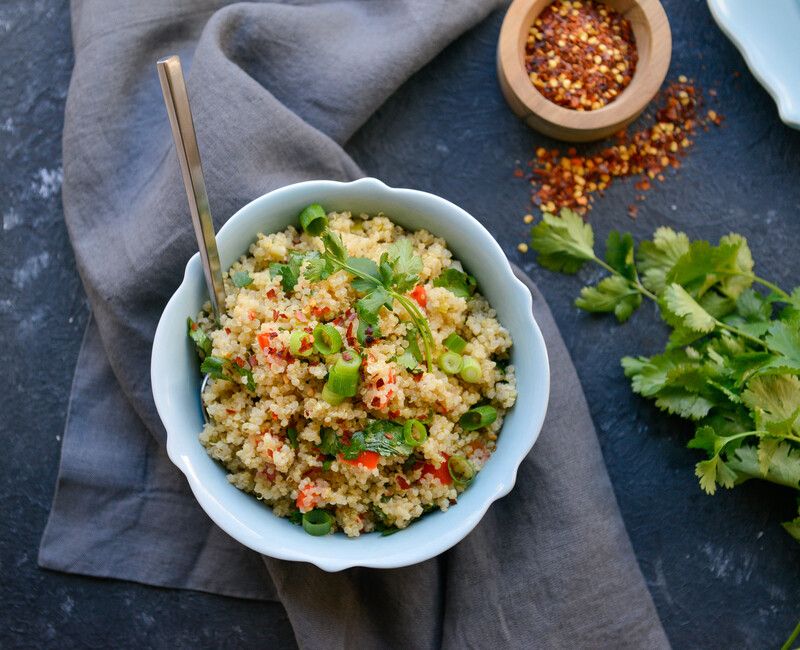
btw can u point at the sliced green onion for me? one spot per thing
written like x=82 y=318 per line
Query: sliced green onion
x=414 y=433
x=327 y=339
x=471 y=370
x=461 y=470
x=480 y=416
x=313 y=219
x=450 y=362
x=317 y=522
x=344 y=374
x=455 y=343
x=334 y=399
x=301 y=344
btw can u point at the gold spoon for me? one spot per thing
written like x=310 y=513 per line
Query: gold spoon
x=176 y=99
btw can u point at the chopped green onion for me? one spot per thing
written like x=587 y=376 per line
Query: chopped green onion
x=334 y=399
x=301 y=344
x=461 y=470
x=313 y=219
x=480 y=416
x=291 y=434
x=414 y=433
x=471 y=370
x=455 y=343
x=450 y=362
x=317 y=522
x=344 y=375
x=327 y=339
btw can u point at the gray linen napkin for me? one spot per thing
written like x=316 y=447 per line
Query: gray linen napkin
x=276 y=90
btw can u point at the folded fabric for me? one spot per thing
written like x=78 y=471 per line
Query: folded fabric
x=277 y=89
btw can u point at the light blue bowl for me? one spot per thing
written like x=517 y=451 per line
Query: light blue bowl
x=176 y=380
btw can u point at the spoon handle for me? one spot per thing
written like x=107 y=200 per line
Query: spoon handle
x=180 y=118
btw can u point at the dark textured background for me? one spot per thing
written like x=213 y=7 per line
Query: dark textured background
x=721 y=570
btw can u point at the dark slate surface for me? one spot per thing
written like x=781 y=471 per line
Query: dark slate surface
x=721 y=570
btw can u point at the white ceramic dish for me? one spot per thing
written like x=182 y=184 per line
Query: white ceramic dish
x=768 y=36
x=176 y=380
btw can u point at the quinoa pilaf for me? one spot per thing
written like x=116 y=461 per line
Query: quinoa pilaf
x=359 y=379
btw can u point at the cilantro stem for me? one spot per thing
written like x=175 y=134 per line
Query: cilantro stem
x=420 y=322
x=635 y=284
x=759 y=433
x=792 y=637
x=766 y=283
x=744 y=335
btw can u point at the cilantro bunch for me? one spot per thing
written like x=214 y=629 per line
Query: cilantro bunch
x=381 y=283
x=731 y=363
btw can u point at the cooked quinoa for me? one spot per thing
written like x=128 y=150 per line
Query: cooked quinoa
x=274 y=438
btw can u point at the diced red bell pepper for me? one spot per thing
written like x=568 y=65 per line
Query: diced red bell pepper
x=441 y=472
x=263 y=340
x=368 y=459
x=419 y=294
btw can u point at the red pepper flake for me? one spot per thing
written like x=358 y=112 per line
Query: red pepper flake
x=573 y=181
x=519 y=173
x=239 y=361
x=376 y=402
x=300 y=316
x=417 y=376
x=275 y=314
x=379 y=383
x=271 y=294
x=633 y=211
x=194 y=326
x=394 y=414
x=251 y=315
x=580 y=55
x=227 y=330
x=252 y=361
x=402 y=483
x=230 y=411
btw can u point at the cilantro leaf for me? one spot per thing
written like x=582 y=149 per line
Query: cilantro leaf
x=334 y=247
x=405 y=264
x=773 y=398
x=712 y=472
x=329 y=442
x=564 y=243
x=457 y=282
x=619 y=253
x=318 y=268
x=656 y=258
x=612 y=294
x=412 y=356
x=684 y=403
x=734 y=285
x=692 y=315
x=241 y=279
x=786 y=340
x=289 y=271
x=382 y=436
x=367 y=307
x=215 y=368
x=783 y=467
x=367 y=267
x=202 y=342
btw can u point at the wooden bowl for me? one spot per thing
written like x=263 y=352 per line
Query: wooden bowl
x=653 y=44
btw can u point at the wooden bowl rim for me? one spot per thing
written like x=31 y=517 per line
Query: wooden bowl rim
x=631 y=101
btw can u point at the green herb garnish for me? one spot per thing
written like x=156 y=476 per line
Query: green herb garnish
x=241 y=279
x=382 y=436
x=219 y=368
x=381 y=284
x=201 y=340
x=732 y=361
x=289 y=271
x=458 y=282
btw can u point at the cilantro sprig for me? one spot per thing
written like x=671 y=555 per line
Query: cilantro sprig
x=732 y=360
x=381 y=283
x=381 y=436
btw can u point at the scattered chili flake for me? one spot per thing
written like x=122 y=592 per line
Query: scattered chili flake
x=230 y=411
x=574 y=180
x=271 y=294
x=580 y=55
x=402 y=483
x=227 y=330
x=633 y=211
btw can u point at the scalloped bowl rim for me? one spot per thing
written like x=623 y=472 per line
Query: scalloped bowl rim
x=756 y=48
x=174 y=375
